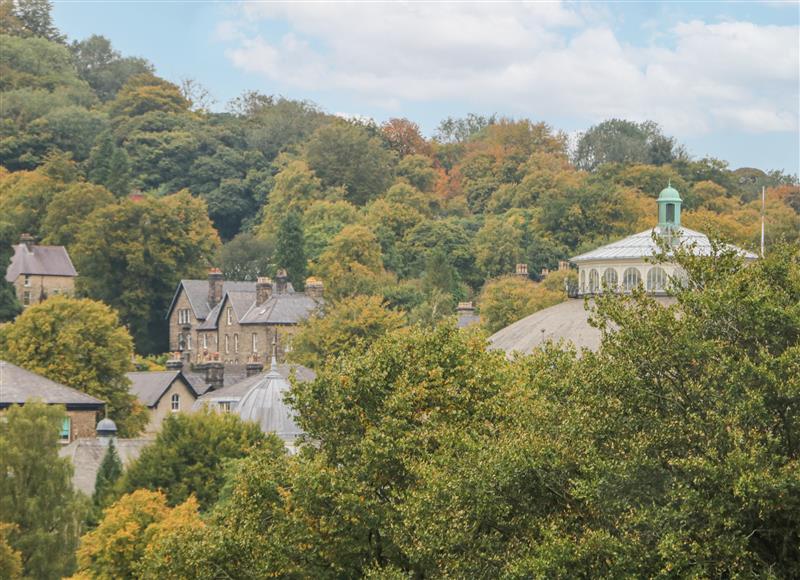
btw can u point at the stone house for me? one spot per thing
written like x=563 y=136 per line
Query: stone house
x=238 y=320
x=163 y=393
x=17 y=386
x=37 y=272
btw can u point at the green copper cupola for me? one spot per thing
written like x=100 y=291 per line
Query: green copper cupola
x=669 y=208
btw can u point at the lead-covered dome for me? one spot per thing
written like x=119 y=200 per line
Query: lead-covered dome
x=264 y=404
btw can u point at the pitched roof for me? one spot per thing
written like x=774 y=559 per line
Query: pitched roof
x=197 y=294
x=18 y=385
x=289 y=308
x=643 y=245
x=88 y=453
x=235 y=391
x=150 y=386
x=40 y=261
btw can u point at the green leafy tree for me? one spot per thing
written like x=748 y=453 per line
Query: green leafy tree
x=104 y=68
x=345 y=155
x=290 y=250
x=246 y=257
x=188 y=456
x=10 y=559
x=115 y=549
x=346 y=324
x=352 y=264
x=79 y=343
x=9 y=305
x=36 y=19
x=620 y=141
x=510 y=298
x=36 y=494
x=107 y=475
x=146 y=93
x=132 y=254
x=68 y=210
x=322 y=221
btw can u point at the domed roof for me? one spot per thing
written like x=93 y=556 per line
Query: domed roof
x=264 y=404
x=669 y=193
x=106 y=427
x=567 y=321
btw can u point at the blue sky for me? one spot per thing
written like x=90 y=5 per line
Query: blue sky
x=723 y=78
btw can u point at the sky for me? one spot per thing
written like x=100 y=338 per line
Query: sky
x=723 y=78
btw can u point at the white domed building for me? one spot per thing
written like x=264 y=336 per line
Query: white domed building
x=264 y=404
x=617 y=267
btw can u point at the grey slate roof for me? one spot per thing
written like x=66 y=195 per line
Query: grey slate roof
x=290 y=308
x=87 y=454
x=232 y=375
x=150 y=386
x=17 y=385
x=642 y=245
x=235 y=391
x=40 y=260
x=264 y=404
x=197 y=293
x=567 y=321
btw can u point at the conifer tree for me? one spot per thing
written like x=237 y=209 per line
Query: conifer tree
x=119 y=175
x=290 y=253
x=108 y=474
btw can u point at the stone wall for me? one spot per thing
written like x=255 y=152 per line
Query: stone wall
x=84 y=424
x=163 y=409
x=39 y=285
x=175 y=328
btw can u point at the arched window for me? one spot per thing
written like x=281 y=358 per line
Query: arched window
x=610 y=279
x=656 y=279
x=583 y=280
x=631 y=279
x=176 y=403
x=594 y=281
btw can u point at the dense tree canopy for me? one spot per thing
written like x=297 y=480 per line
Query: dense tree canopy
x=79 y=343
x=36 y=495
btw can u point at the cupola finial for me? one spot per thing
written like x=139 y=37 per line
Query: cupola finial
x=274 y=364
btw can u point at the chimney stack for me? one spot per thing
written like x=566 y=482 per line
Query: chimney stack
x=253 y=367
x=464 y=307
x=522 y=270
x=215 y=281
x=314 y=288
x=263 y=290
x=281 y=280
x=28 y=240
x=563 y=265
x=214 y=374
x=174 y=363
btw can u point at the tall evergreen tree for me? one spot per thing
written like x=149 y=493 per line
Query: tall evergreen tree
x=108 y=474
x=36 y=18
x=290 y=252
x=119 y=173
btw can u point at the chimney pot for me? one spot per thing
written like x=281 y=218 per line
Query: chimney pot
x=522 y=270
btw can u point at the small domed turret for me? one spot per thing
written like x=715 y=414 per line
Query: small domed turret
x=106 y=428
x=669 y=208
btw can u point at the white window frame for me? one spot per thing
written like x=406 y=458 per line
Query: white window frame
x=255 y=342
x=229 y=314
x=205 y=341
x=26 y=298
x=175 y=403
x=27 y=282
x=236 y=342
x=227 y=344
x=189 y=341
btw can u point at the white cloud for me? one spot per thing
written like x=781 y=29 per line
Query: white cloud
x=535 y=59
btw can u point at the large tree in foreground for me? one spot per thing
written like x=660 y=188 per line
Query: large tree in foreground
x=36 y=494
x=132 y=254
x=79 y=343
